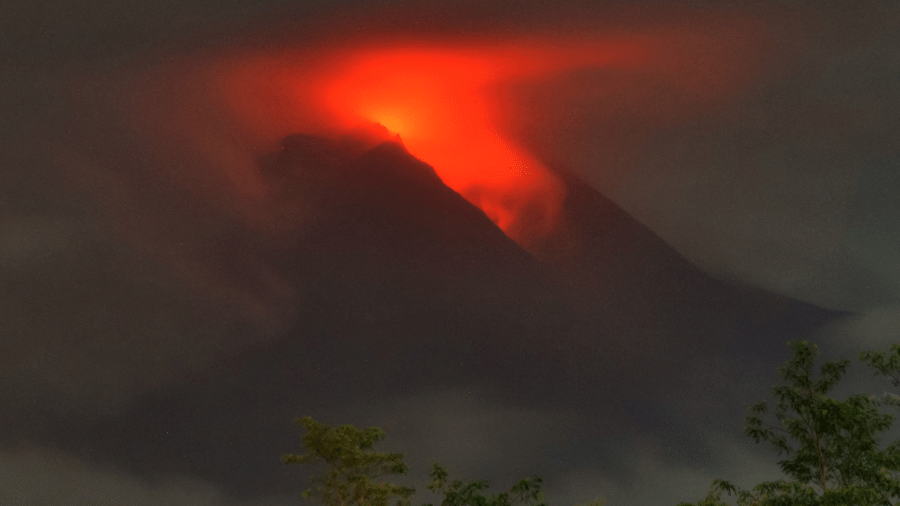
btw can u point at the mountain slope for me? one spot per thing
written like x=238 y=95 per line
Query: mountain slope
x=408 y=291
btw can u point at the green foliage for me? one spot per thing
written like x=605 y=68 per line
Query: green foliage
x=353 y=469
x=714 y=496
x=830 y=444
x=526 y=492
x=886 y=363
x=832 y=448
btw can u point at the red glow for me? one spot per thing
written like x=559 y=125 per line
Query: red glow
x=449 y=103
x=440 y=103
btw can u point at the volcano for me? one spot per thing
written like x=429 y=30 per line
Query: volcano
x=413 y=289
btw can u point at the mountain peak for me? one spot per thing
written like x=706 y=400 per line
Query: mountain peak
x=312 y=161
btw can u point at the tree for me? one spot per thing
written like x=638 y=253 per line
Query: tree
x=886 y=362
x=352 y=478
x=834 y=455
x=526 y=492
x=354 y=470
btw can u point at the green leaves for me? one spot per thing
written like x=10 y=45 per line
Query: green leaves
x=833 y=451
x=886 y=363
x=353 y=472
x=352 y=478
x=526 y=492
x=832 y=448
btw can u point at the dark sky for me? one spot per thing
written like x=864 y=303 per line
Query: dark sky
x=176 y=285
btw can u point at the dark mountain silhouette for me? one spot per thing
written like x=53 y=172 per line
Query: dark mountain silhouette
x=635 y=291
x=409 y=288
x=393 y=248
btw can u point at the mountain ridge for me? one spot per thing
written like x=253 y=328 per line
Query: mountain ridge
x=412 y=290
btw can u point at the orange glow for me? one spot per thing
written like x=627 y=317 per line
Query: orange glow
x=453 y=105
x=439 y=101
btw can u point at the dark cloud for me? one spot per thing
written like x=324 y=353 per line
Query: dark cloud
x=795 y=167
x=43 y=477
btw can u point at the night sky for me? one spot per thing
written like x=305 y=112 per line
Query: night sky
x=215 y=218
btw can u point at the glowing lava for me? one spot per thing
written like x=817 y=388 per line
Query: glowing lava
x=453 y=104
x=440 y=103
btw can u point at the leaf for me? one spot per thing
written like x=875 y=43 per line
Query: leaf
x=832 y=449
x=353 y=469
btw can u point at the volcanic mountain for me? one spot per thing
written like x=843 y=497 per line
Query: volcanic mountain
x=411 y=289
